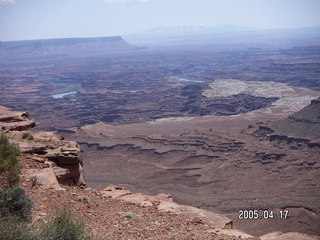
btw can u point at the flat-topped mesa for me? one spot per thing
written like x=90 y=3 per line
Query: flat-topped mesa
x=64 y=47
x=60 y=41
x=60 y=158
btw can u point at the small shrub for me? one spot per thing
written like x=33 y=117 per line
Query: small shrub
x=9 y=162
x=219 y=237
x=64 y=225
x=128 y=215
x=15 y=203
x=55 y=144
x=84 y=199
x=146 y=234
x=27 y=136
x=13 y=230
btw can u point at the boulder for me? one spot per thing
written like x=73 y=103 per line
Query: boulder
x=47 y=179
x=69 y=174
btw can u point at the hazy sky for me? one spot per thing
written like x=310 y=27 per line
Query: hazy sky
x=34 y=19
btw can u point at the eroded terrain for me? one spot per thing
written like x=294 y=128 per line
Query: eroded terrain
x=201 y=163
x=140 y=85
x=190 y=123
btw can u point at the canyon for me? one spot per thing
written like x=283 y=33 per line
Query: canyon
x=45 y=172
x=242 y=133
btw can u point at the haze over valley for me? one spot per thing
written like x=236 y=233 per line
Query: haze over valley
x=221 y=117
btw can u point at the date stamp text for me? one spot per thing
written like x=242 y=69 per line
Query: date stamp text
x=263 y=214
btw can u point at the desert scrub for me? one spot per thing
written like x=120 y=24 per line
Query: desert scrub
x=55 y=144
x=27 y=136
x=128 y=214
x=217 y=237
x=9 y=162
x=15 y=204
x=64 y=225
x=83 y=198
x=15 y=230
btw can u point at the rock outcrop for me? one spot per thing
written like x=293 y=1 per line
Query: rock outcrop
x=60 y=158
x=300 y=131
x=219 y=223
x=302 y=124
x=14 y=121
x=165 y=203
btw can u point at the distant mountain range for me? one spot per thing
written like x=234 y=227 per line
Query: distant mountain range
x=224 y=35
x=186 y=30
x=220 y=37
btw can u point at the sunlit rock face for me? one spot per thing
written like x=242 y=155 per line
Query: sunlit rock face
x=60 y=158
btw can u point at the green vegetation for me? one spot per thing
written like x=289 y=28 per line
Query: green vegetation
x=83 y=198
x=9 y=162
x=64 y=225
x=55 y=144
x=13 y=230
x=217 y=237
x=15 y=204
x=128 y=215
x=146 y=235
x=15 y=212
x=27 y=136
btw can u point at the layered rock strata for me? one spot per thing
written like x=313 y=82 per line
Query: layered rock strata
x=61 y=159
x=58 y=161
x=14 y=121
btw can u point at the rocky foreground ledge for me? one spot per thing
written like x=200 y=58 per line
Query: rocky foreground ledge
x=60 y=159
x=50 y=163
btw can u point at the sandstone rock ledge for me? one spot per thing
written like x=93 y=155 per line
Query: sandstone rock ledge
x=165 y=203
x=13 y=120
x=220 y=224
x=61 y=163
